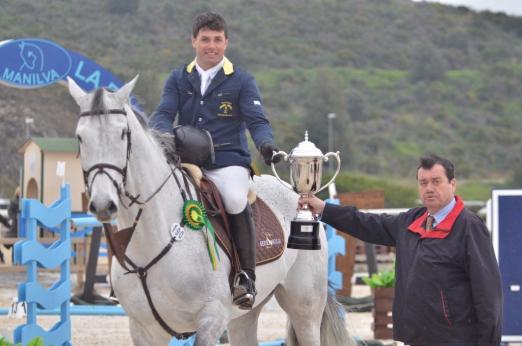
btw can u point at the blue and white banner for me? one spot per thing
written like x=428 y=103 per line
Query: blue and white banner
x=35 y=63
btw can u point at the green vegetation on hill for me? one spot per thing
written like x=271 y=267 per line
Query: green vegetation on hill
x=403 y=78
x=384 y=122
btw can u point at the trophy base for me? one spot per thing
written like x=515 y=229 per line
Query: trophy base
x=304 y=235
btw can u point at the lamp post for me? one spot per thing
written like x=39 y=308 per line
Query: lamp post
x=331 y=117
x=28 y=123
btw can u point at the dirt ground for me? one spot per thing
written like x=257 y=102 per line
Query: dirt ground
x=113 y=330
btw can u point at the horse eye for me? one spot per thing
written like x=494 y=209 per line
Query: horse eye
x=80 y=142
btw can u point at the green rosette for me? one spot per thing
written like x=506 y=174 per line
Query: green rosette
x=194 y=214
x=195 y=217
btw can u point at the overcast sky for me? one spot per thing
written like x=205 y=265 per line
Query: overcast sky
x=513 y=7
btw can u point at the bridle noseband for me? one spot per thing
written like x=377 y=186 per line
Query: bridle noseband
x=100 y=168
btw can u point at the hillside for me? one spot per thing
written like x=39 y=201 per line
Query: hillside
x=403 y=78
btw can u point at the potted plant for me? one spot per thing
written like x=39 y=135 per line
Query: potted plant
x=38 y=341
x=382 y=285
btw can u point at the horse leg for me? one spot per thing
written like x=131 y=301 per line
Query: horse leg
x=242 y=331
x=303 y=297
x=212 y=321
x=142 y=336
x=304 y=314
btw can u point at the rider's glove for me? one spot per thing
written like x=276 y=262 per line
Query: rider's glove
x=267 y=150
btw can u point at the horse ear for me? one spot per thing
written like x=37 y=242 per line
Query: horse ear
x=124 y=92
x=76 y=92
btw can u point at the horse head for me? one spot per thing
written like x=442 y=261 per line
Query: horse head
x=104 y=136
x=31 y=56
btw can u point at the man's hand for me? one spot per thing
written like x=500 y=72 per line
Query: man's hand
x=315 y=204
x=267 y=150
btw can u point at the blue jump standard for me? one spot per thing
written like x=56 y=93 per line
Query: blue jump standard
x=31 y=254
x=83 y=310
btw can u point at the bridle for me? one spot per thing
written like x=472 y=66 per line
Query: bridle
x=101 y=168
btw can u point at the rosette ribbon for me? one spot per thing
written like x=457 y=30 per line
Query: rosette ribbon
x=195 y=217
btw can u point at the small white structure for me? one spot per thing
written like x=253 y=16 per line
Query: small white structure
x=39 y=179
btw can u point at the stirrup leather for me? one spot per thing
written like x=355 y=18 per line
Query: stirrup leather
x=245 y=293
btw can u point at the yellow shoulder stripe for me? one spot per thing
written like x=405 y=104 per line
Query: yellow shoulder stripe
x=228 y=67
x=191 y=66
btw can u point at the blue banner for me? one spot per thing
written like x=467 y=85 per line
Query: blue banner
x=34 y=63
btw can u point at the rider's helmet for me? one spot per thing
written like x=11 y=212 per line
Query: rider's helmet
x=193 y=145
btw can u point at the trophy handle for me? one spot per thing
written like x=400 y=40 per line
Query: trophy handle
x=285 y=157
x=325 y=158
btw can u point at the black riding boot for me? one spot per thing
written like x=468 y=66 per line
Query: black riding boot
x=243 y=233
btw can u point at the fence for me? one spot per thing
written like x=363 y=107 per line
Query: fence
x=56 y=299
x=34 y=255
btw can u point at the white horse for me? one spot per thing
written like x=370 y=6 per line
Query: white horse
x=121 y=159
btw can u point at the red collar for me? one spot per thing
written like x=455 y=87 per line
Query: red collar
x=443 y=228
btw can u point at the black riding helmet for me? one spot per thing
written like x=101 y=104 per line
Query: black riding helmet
x=193 y=145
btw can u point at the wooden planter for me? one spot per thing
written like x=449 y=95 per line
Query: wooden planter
x=382 y=312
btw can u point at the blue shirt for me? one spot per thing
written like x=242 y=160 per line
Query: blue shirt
x=441 y=214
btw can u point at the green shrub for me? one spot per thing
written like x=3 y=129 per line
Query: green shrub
x=38 y=341
x=4 y=342
x=381 y=279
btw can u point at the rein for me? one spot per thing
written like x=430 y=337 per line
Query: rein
x=141 y=272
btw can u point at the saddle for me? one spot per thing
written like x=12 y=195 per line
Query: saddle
x=270 y=240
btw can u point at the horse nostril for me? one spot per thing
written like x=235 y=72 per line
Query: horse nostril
x=92 y=207
x=112 y=207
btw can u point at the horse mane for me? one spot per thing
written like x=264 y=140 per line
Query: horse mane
x=166 y=141
x=163 y=139
x=97 y=104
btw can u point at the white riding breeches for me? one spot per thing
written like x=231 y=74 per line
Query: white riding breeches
x=233 y=182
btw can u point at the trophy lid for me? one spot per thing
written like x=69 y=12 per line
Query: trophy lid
x=306 y=149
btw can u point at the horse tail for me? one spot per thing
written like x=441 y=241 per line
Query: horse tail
x=333 y=327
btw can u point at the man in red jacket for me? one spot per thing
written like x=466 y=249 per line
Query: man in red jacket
x=447 y=289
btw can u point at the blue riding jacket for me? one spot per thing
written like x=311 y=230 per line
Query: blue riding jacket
x=231 y=104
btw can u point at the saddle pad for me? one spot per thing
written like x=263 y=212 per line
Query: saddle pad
x=270 y=239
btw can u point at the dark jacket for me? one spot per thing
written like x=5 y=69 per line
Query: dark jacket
x=447 y=289
x=230 y=105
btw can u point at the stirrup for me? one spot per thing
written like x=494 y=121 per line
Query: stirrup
x=244 y=294
x=113 y=298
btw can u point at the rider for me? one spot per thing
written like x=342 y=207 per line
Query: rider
x=212 y=94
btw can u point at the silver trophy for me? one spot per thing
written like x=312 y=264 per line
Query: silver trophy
x=306 y=166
